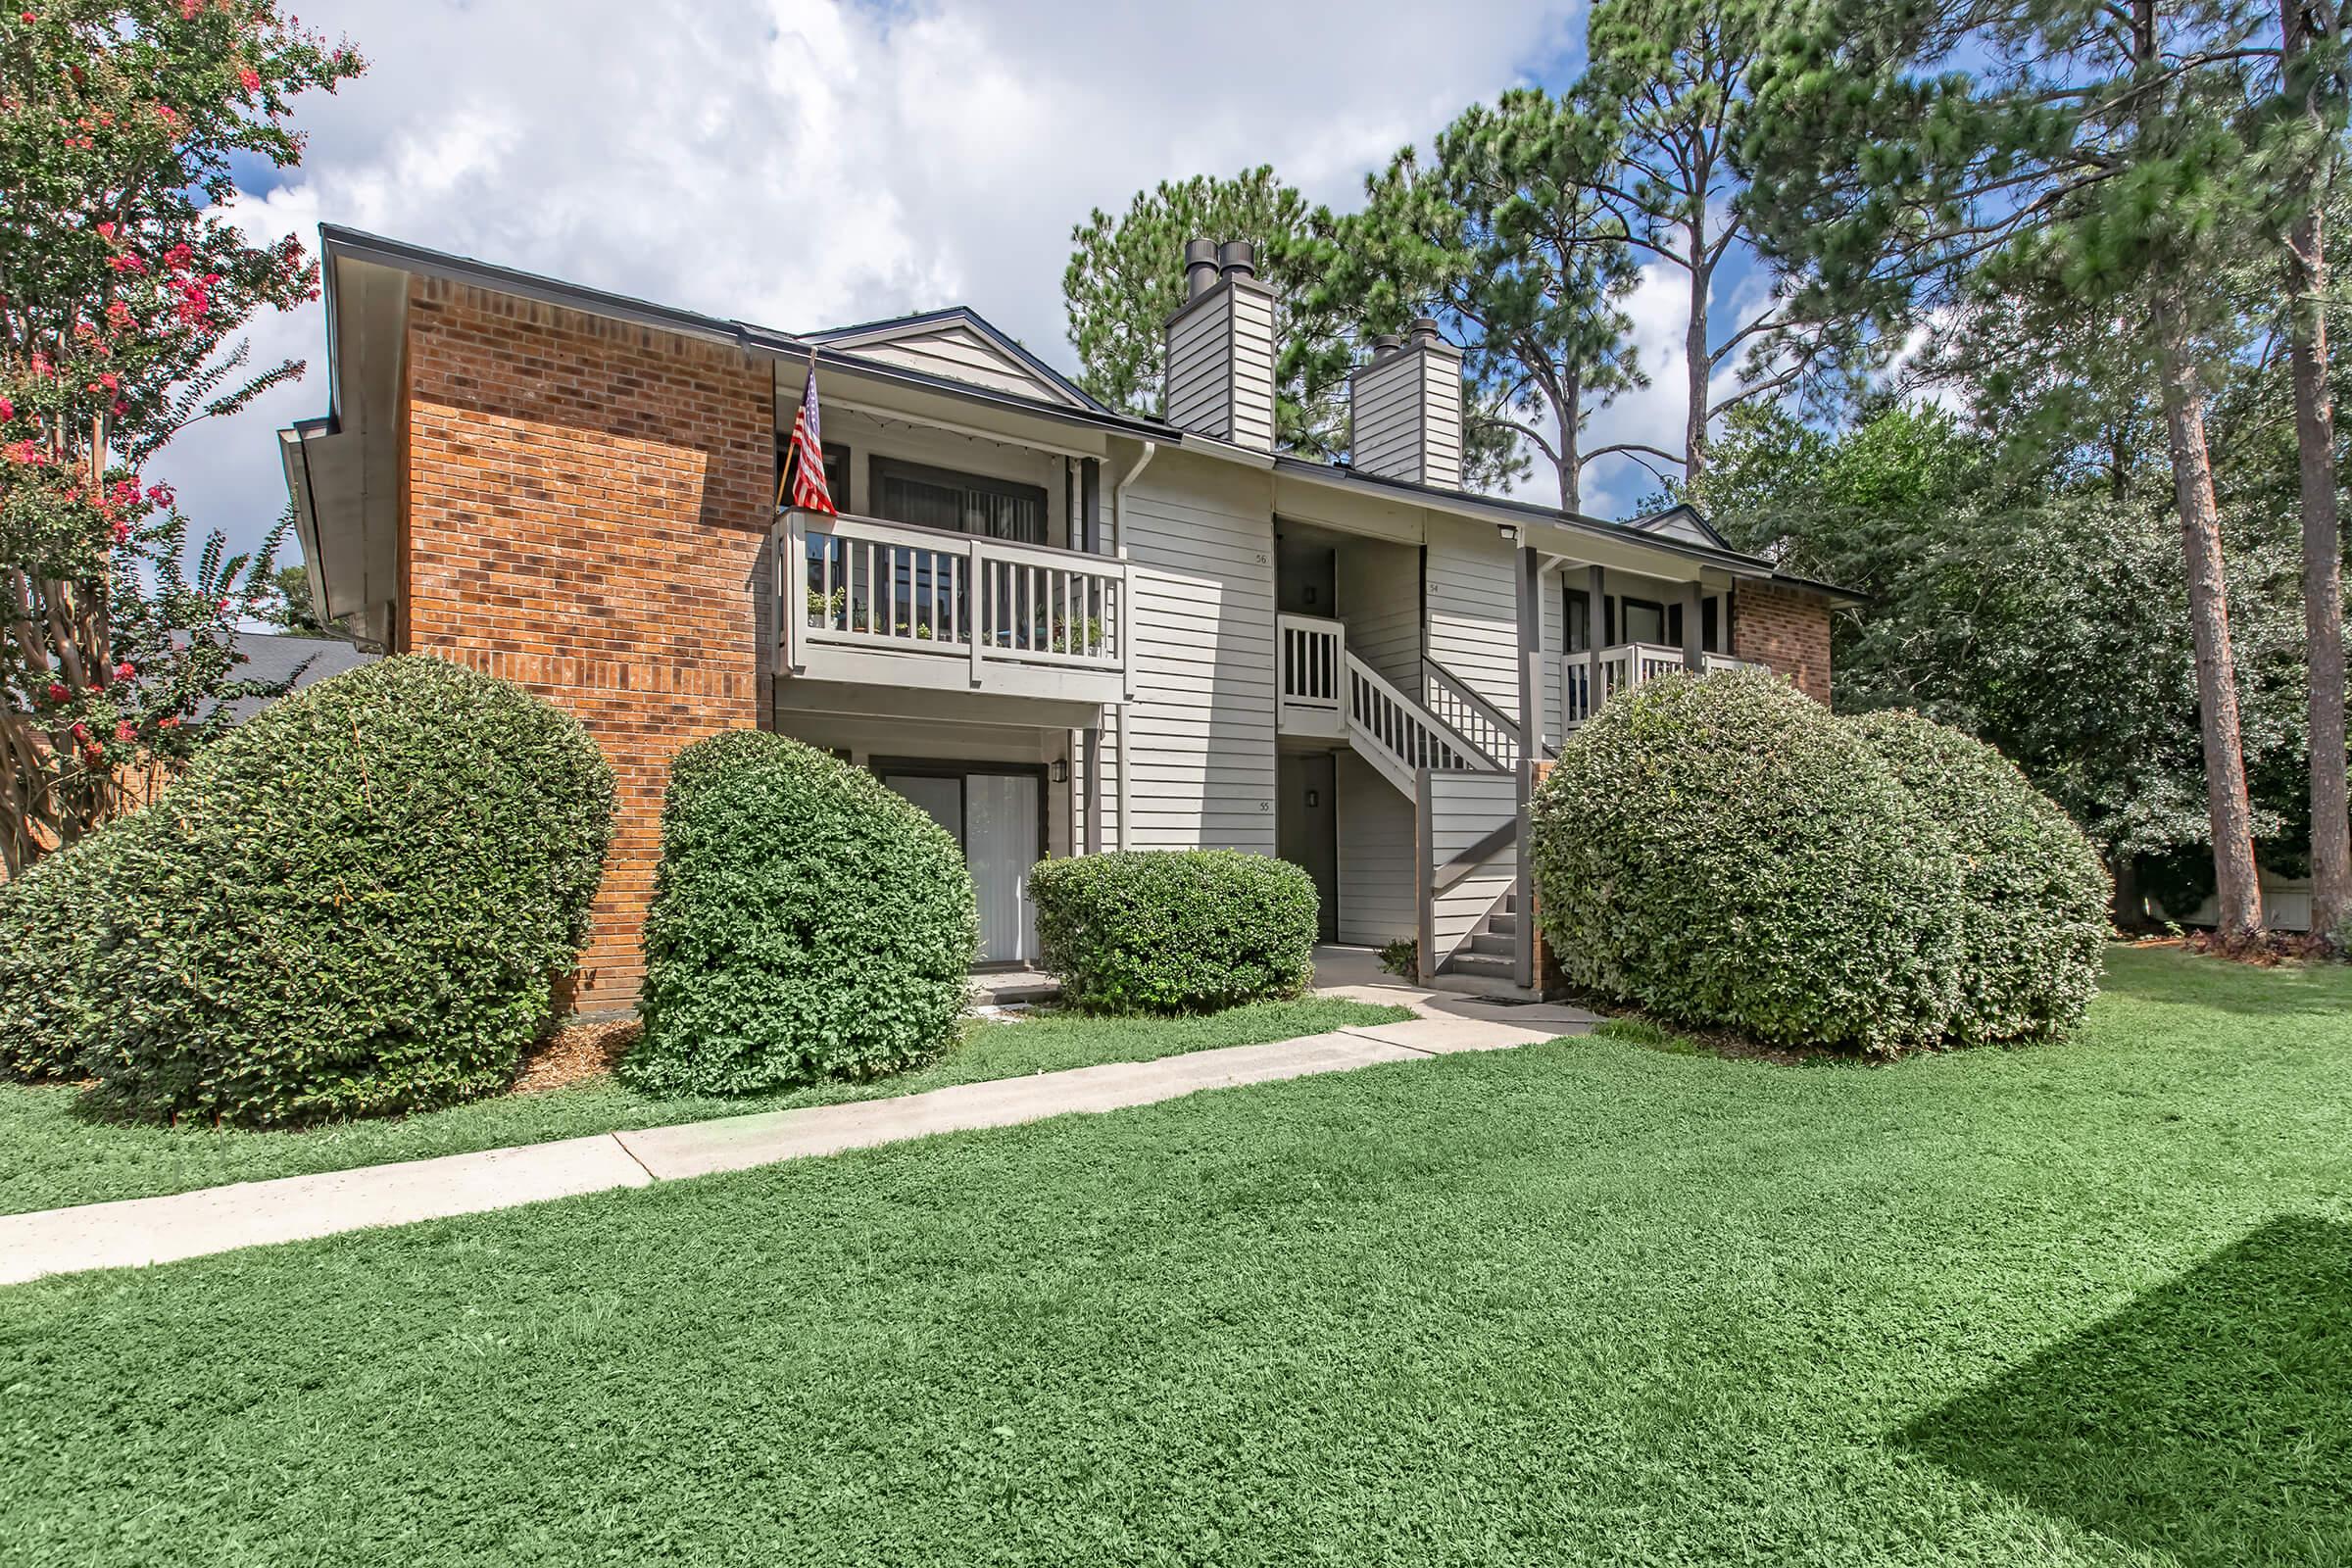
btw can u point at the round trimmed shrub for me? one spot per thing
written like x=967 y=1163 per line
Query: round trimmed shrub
x=806 y=923
x=354 y=903
x=2033 y=895
x=1175 y=930
x=52 y=915
x=1723 y=851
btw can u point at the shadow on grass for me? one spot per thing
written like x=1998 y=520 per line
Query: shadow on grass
x=2211 y=1418
x=2169 y=977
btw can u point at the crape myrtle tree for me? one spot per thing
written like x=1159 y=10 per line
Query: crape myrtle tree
x=1909 y=158
x=1498 y=236
x=120 y=289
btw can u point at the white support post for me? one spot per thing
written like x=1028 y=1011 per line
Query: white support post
x=1531 y=730
x=978 y=597
x=1126 y=623
x=791 y=572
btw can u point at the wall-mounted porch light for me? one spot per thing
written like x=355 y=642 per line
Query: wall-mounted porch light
x=1062 y=771
x=1509 y=532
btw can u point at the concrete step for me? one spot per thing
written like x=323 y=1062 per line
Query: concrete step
x=1504 y=923
x=1483 y=966
x=1488 y=941
x=1473 y=985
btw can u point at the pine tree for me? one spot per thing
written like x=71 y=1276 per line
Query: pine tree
x=1126 y=278
x=1672 y=78
x=1913 y=160
x=2313 y=90
x=1497 y=237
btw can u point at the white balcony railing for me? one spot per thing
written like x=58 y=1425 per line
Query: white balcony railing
x=1587 y=680
x=1329 y=693
x=861 y=584
x=1314 y=676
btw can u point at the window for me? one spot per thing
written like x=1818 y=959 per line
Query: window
x=837 y=472
x=1641 y=620
x=959 y=503
x=1578 y=625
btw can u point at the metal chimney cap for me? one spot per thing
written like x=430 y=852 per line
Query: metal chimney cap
x=1238 y=256
x=1425 y=331
x=1385 y=344
x=1200 y=268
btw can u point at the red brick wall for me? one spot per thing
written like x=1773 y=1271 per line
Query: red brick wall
x=585 y=514
x=1785 y=629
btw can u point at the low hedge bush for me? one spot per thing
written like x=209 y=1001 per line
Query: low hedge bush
x=354 y=903
x=806 y=923
x=2033 y=895
x=1723 y=851
x=52 y=916
x=1175 y=930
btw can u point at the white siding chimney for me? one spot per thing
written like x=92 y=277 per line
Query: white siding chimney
x=1405 y=408
x=1221 y=347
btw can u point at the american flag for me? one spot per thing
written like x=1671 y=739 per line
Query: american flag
x=804 y=460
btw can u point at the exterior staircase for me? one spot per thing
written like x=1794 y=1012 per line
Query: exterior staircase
x=1484 y=965
x=1454 y=755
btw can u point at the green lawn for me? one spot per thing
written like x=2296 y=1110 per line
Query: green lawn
x=55 y=1157
x=1591 y=1301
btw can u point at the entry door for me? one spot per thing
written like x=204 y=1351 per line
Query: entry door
x=1306 y=829
x=1000 y=845
x=994 y=817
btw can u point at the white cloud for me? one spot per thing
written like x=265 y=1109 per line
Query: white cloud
x=802 y=164
x=1659 y=308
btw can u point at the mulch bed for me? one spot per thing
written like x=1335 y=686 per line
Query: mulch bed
x=575 y=1054
x=2265 y=950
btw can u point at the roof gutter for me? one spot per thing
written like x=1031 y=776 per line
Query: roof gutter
x=1118 y=548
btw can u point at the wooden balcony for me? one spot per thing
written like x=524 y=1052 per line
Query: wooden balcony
x=889 y=604
x=1589 y=680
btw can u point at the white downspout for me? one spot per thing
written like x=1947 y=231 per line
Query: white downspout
x=1118 y=548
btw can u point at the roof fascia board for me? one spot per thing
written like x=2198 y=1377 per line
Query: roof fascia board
x=867 y=333
x=1567 y=528
x=340 y=242
x=337 y=242
x=758 y=340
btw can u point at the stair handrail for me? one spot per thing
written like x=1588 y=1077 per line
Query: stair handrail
x=1471 y=697
x=1466 y=756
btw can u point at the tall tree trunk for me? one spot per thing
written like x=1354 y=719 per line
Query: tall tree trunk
x=1694 y=354
x=2323 y=539
x=2228 y=809
x=1572 y=463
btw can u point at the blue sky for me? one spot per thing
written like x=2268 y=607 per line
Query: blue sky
x=799 y=163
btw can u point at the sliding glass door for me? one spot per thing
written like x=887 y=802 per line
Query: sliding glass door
x=996 y=818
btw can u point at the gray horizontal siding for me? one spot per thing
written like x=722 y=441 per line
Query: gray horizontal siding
x=1253 y=368
x=1441 y=420
x=1473 y=616
x=1197 y=372
x=1200 y=740
x=1377 y=890
x=1386 y=418
x=1464 y=807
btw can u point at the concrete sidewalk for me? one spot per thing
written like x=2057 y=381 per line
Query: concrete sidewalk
x=218 y=1219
